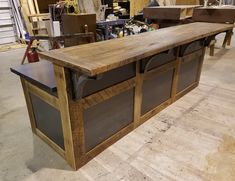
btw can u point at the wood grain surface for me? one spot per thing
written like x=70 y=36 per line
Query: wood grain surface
x=215 y=15
x=97 y=58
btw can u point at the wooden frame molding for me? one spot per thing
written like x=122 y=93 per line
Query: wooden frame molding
x=160 y=69
x=50 y=143
x=62 y=89
x=185 y=91
x=156 y=110
x=105 y=94
x=48 y=98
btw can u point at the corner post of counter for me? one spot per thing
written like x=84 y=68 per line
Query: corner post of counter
x=201 y=64
x=138 y=95
x=71 y=116
x=176 y=76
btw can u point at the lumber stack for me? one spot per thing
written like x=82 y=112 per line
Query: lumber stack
x=28 y=8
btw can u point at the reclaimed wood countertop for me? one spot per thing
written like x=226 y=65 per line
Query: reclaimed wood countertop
x=97 y=58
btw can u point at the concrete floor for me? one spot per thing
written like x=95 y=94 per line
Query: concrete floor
x=194 y=139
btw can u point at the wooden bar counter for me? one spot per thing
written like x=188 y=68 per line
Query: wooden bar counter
x=85 y=98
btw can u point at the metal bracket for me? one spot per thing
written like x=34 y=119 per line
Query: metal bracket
x=208 y=40
x=78 y=83
x=184 y=47
x=146 y=66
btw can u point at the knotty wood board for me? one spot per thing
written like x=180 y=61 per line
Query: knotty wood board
x=97 y=58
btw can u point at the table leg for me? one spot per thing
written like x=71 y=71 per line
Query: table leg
x=212 y=47
x=230 y=39
x=227 y=37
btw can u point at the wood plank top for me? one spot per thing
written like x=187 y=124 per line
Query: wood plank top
x=216 y=14
x=39 y=73
x=97 y=58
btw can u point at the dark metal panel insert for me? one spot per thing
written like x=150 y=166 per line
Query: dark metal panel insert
x=109 y=79
x=156 y=90
x=188 y=74
x=48 y=120
x=105 y=119
x=90 y=85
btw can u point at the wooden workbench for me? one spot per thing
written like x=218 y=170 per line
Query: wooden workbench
x=100 y=92
x=216 y=14
x=166 y=16
x=176 y=12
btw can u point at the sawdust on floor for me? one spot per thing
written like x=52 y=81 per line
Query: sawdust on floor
x=12 y=46
x=221 y=165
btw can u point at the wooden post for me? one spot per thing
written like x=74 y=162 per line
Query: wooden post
x=201 y=64
x=176 y=77
x=138 y=95
x=71 y=116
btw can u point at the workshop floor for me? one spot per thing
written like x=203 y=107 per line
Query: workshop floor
x=194 y=139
